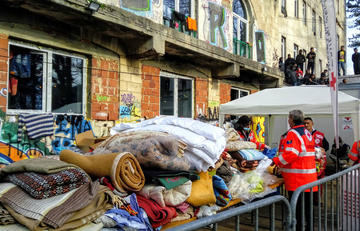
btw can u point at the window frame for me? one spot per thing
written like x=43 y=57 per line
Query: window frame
x=283 y=47
x=320 y=26
x=314 y=22
x=192 y=7
x=176 y=77
x=241 y=19
x=47 y=78
x=296 y=50
x=239 y=90
x=304 y=13
x=296 y=8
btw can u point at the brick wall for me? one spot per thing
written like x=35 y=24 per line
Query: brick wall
x=150 y=92
x=104 y=89
x=225 y=93
x=4 y=42
x=201 y=96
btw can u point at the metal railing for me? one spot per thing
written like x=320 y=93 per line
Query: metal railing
x=338 y=210
x=242 y=48
x=235 y=212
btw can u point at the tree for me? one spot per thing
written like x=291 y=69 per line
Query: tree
x=353 y=8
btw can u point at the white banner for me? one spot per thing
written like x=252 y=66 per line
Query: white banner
x=332 y=49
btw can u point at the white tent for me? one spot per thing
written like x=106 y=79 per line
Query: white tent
x=312 y=100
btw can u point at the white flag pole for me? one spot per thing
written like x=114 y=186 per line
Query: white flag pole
x=332 y=49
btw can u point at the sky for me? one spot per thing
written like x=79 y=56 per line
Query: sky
x=349 y=50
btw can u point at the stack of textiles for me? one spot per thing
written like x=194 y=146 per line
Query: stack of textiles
x=48 y=194
x=205 y=142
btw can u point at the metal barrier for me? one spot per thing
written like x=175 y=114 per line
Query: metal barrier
x=345 y=216
x=235 y=212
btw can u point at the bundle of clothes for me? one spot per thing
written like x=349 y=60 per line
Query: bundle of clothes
x=152 y=175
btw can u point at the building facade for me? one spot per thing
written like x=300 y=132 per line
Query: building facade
x=134 y=59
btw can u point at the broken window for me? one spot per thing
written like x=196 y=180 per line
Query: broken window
x=45 y=81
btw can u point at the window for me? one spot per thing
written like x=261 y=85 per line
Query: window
x=240 y=22
x=314 y=22
x=238 y=93
x=182 y=6
x=320 y=27
x=320 y=66
x=176 y=95
x=283 y=7
x=296 y=50
x=47 y=80
x=296 y=10
x=283 y=47
x=304 y=13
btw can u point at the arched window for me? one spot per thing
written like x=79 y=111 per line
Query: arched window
x=240 y=21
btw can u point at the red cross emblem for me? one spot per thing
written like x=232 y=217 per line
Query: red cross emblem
x=333 y=81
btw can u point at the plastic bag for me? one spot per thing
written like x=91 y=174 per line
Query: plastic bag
x=253 y=184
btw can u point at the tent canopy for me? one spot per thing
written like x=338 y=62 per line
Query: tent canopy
x=312 y=100
x=279 y=101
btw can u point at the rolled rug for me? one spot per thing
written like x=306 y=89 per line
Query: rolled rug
x=123 y=168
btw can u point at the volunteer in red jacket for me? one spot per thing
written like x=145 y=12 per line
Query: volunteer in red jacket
x=320 y=141
x=354 y=152
x=297 y=162
x=246 y=134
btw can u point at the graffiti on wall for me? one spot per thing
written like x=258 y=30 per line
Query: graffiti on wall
x=137 y=5
x=212 y=112
x=260 y=46
x=129 y=107
x=275 y=58
x=66 y=128
x=151 y=9
x=217 y=21
x=258 y=127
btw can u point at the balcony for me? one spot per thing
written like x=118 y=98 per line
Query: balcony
x=242 y=48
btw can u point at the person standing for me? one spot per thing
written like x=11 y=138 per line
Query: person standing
x=281 y=64
x=300 y=60
x=354 y=153
x=311 y=60
x=290 y=70
x=356 y=61
x=342 y=60
x=297 y=163
x=320 y=141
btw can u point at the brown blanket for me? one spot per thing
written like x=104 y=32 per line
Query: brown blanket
x=123 y=168
x=155 y=150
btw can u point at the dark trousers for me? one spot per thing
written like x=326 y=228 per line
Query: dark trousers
x=357 y=69
x=311 y=66
x=307 y=208
x=301 y=65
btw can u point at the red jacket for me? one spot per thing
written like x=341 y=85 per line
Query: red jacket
x=320 y=140
x=354 y=152
x=251 y=138
x=297 y=161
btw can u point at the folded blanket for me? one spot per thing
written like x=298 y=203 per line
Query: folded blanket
x=239 y=145
x=169 y=179
x=156 y=150
x=222 y=193
x=177 y=195
x=52 y=211
x=153 y=192
x=41 y=186
x=231 y=135
x=123 y=169
x=158 y=215
x=101 y=202
x=38 y=165
x=202 y=192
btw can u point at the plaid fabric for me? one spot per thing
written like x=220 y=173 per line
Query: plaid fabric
x=41 y=186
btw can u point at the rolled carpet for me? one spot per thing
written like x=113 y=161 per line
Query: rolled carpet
x=123 y=168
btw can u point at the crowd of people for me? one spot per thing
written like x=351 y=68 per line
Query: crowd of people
x=299 y=70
